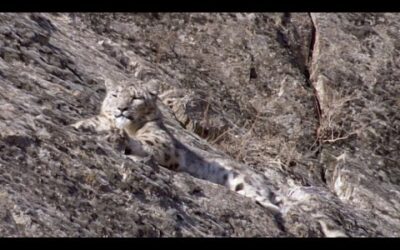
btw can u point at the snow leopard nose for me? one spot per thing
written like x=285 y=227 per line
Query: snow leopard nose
x=120 y=111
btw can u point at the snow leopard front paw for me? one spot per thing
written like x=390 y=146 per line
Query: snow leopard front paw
x=118 y=140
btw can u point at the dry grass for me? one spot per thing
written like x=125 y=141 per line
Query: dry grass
x=233 y=144
x=332 y=119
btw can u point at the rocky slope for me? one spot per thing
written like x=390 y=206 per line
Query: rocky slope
x=309 y=100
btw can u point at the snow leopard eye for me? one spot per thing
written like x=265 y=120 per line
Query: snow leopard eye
x=137 y=98
x=114 y=95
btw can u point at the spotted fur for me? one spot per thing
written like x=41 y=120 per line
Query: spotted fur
x=134 y=111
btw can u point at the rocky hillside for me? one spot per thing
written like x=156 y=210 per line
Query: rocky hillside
x=309 y=100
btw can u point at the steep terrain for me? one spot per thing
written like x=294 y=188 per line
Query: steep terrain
x=309 y=100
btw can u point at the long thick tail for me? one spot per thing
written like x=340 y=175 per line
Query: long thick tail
x=246 y=184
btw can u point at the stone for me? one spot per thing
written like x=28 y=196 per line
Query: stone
x=308 y=100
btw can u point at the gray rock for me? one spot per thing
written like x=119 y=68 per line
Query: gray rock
x=308 y=100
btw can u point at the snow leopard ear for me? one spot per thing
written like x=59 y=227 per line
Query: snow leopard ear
x=152 y=87
x=109 y=84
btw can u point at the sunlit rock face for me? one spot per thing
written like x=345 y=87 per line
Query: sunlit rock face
x=309 y=100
